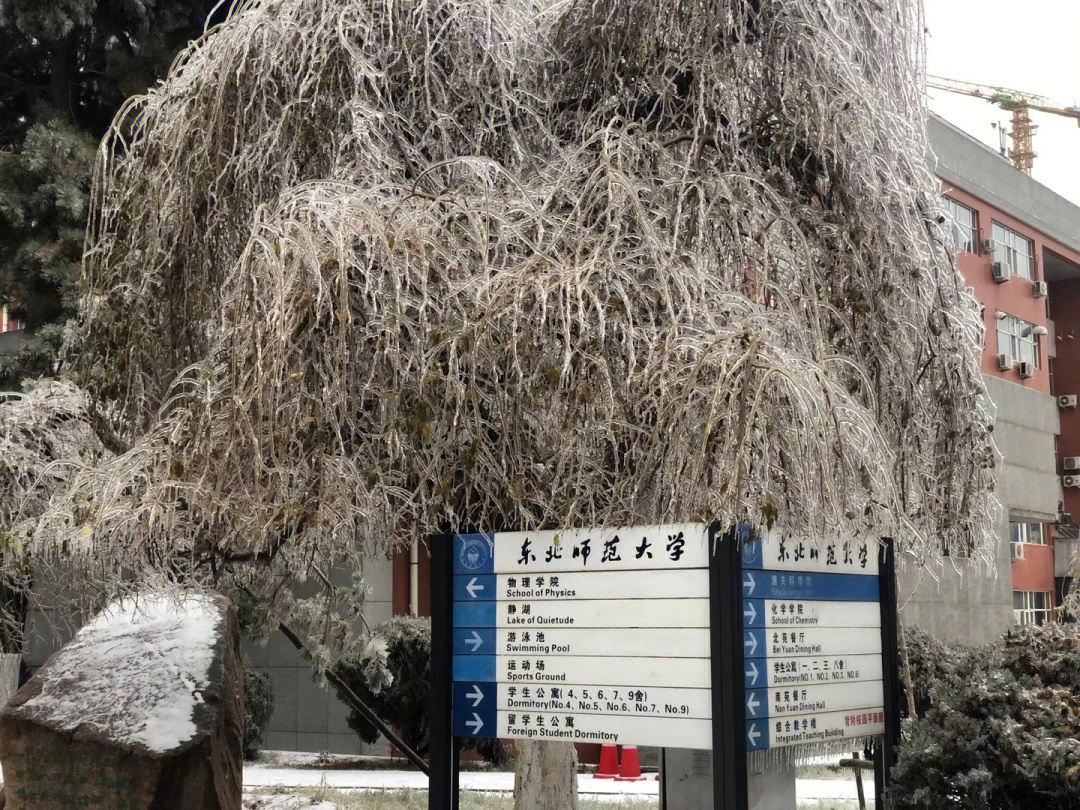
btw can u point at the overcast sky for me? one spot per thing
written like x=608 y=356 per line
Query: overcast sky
x=1028 y=45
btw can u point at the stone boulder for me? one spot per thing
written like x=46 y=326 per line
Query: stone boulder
x=142 y=710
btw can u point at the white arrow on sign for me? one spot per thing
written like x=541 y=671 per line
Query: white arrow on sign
x=473 y=587
x=752 y=672
x=752 y=703
x=751 y=642
x=475 y=696
x=475 y=724
x=749 y=583
x=750 y=612
x=753 y=734
x=476 y=641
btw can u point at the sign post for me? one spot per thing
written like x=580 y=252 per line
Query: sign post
x=729 y=748
x=443 y=748
x=890 y=642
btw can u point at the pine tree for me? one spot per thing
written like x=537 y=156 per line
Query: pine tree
x=65 y=69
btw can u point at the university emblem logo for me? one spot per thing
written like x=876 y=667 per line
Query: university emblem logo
x=474 y=553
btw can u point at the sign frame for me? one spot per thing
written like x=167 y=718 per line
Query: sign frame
x=727 y=678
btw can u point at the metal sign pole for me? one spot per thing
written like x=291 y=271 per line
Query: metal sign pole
x=886 y=752
x=443 y=747
x=728 y=685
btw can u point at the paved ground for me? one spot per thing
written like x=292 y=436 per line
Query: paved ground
x=261 y=776
x=809 y=791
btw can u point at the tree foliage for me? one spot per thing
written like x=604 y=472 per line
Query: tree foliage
x=65 y=68
x=392 y=676
x=359 y=271
x=367 y=270
x=258 y=709
x=932 y=662
x=1002 y=730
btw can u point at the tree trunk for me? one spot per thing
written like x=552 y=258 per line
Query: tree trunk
x=9 y=676
x=546 y=776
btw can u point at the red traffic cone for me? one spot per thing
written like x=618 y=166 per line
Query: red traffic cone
x=609 y=763
x=629 y=768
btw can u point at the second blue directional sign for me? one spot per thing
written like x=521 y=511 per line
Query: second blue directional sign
x=812 y=656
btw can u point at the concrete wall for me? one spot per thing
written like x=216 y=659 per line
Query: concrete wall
x=1025 y=425
x=971 y=603
x=12 y=342
x=309 y=717
x=959 y=601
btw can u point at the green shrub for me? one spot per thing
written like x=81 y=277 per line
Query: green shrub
x=392 y=676
x=1001 y=731
x=258 y=707
x=931 y=662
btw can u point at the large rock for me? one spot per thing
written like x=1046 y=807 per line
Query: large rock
x=141 y=711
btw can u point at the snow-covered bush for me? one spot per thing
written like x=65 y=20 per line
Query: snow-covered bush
x=392 y=676
x=931 y=662
x=1002 y=730
x=258 y=708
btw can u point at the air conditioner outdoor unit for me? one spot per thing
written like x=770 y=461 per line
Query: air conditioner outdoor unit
x=1071 y=463
x=987 y=247
x=1005 y=362
x=1001 y=272
x=1017 y=551
x=1070 y=481
x=1026 y=370
x=1067 y=401
x=1040 y=289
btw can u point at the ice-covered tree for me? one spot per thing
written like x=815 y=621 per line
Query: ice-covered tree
x=362 y=270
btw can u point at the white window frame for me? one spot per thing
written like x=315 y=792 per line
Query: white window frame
x=1031 y=532
x=1031 y=608
x=1015 y=249
x=964 y=225
x=1017 y=339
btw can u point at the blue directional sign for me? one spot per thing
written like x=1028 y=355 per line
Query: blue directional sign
x=811 y=641
x=766 y=584
x=584 y=635
x=475 y=695
x=475 y=723
x=474 y=641
x=474 y=588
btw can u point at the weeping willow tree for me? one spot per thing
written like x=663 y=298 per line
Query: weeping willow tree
x=363 y=270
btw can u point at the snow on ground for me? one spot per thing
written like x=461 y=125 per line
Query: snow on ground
x=259 y=776
x=285 y=803
x=154 y=652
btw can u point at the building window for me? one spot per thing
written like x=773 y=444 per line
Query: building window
x=1031 y=607
x=1017 y=339
x=965 y=223
x=1027 y=531
x=1015 y=250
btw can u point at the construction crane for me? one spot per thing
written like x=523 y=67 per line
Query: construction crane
x=1019 y=104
